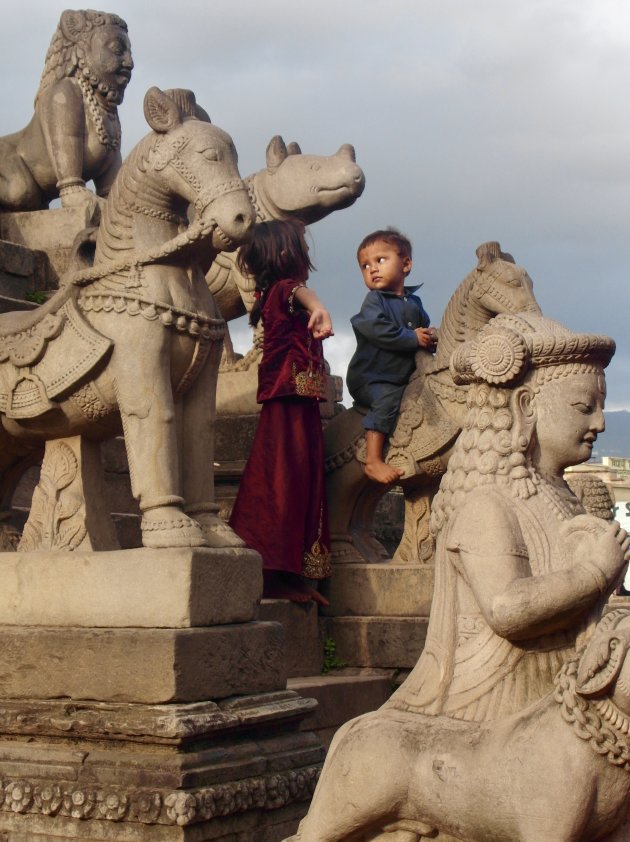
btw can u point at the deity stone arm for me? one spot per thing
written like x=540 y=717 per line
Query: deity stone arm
x=517 y=604
x=104 y=181
x=64 y=134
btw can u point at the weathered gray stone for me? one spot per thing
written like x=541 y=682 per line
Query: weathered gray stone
x=48 y=233
x=235 y=770
x=380 y=590
x=384 y=642
x=153 y=666
x=175 y=588
x=303 y=647
x=340 y=698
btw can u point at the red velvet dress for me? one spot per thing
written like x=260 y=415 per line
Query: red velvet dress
x=280 y=510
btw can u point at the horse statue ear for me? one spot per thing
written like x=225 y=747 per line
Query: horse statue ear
x=160 y=112
x=276 y=153
x=72 y=25
x=600 y=664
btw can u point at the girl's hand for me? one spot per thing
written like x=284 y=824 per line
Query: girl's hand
x=320 y=323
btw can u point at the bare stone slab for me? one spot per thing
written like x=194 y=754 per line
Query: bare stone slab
x=152 y=666
x=341 y=697
x=175 y=588
x=384 y=642
x=303 y=652
x=396 y=590
x=49 y=231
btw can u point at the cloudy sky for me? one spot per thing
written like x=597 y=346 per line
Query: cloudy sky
x=493 y=120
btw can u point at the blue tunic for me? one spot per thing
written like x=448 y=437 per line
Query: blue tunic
x=385 y=357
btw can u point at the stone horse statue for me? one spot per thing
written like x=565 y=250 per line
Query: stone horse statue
x=430 y=420
x=135 y=339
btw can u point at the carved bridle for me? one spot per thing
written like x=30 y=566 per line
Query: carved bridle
x=168 y=153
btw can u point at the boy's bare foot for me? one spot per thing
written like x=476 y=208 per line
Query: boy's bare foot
x=280 y=585
x=382 y=472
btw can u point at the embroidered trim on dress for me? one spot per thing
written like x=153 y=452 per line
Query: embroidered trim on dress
x=317 y=562
x=292 y=298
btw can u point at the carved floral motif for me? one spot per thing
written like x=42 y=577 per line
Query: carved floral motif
x=117 y=804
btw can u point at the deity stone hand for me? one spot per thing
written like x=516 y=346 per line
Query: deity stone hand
x=77 y=195
x=598 y=545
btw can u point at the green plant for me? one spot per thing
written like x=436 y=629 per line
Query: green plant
x=38 y=297
x=331 y=661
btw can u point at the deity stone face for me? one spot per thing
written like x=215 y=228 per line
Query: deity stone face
x=569 y=416
x=108 y=56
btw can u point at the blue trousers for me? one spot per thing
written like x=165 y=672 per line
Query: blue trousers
x=383 y=400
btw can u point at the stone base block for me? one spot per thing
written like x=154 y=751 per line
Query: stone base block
x=383 y=642
x=141 y=665
x=238 y=770
x=49 y=231
x=303 y=648
x=380 y=590
x=175 y=588
x=340 y=698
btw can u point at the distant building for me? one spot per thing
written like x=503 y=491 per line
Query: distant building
x=614 y=471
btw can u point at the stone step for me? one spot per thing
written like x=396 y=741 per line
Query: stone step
x=51 y=233
x=304 y=651
x=22 y=271
x=169 y=588
x=380 y=590
x=144 y=665
x=383 y=642
x=341 y=697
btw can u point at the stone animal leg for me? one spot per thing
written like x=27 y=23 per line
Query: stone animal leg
x=145 y=397
x=416 y=545
x=351 y=802
x=197 y=436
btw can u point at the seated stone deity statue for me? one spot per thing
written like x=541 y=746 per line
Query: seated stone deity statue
x=476 y=744
x=74 y=135
x=521 y=570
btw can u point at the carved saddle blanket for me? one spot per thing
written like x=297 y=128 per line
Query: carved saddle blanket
x=44 y=353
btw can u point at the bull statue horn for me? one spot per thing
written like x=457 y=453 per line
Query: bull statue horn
x=347 y=151
x=276 y=153
x=294 y=148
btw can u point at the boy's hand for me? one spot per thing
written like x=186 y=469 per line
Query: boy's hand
x=320 y=323
x=427 y=338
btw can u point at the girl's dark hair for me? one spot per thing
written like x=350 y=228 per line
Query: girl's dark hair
x=274 y=251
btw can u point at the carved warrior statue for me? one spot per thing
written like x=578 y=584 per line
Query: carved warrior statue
x=507 y=728
x=74 y=135
x=137 y=337
x=431 y=417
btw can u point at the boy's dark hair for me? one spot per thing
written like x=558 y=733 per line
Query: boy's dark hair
x=389 y=235
x=273 y=251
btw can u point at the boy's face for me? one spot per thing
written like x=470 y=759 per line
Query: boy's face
x=383 y=268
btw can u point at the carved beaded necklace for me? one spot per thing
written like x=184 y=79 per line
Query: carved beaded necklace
x=96 y=111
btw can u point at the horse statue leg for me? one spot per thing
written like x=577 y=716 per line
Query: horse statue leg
x=141 y=368
x=197 y=437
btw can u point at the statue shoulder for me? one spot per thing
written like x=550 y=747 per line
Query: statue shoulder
x=486 y=521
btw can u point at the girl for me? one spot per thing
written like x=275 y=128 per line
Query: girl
x=280 y=510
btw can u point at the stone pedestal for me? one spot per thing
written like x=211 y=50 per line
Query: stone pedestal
x=141 y=699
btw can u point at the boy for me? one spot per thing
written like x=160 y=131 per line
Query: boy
x=390 y=328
